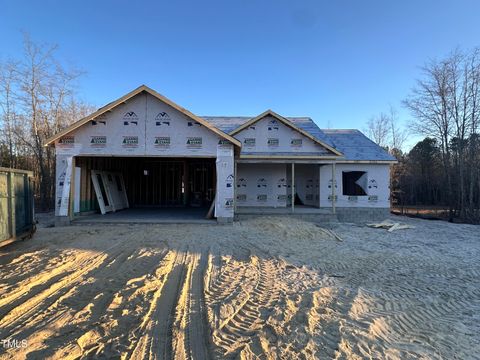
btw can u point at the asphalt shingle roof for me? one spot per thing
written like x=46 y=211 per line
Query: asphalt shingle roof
x=352 y=143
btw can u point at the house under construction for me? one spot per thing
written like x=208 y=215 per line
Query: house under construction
x=144 y=152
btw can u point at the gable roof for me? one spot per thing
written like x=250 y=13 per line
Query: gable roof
x=288 y=123
x=121 y=100
x=229 y=123
x=354 y=145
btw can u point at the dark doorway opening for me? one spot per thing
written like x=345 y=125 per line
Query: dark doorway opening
x=354 y=183
x=153 y=182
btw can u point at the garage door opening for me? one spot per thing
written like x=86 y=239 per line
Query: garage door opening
x=155 y=187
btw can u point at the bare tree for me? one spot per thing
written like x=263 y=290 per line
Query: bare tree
x=429 y=103
x=38 y=99
x=397 y=135
x=472 y=65
x=378 y=129
x=8 y=77
x=385 y=130
x=445 y=106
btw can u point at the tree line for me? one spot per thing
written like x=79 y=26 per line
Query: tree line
x=37 y=99
x=444 y=168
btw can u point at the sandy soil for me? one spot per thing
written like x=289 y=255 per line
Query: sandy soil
x=260 y=289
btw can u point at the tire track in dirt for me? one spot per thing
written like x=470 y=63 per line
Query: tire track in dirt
x=100 y=310
x=23 y=266
x=86 y=305
x=155 y=333
x=198 y=332
x=226 y=279
x=180 y=334
x=24 y=309
x=404 y=314
x=38 y=282
x=249 y=307
x=260 y=298
x=189 y=334
x=46 y=261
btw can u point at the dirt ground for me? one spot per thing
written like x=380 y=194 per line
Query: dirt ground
x=275 y=288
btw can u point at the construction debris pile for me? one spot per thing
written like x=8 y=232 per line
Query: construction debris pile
x=391 y=226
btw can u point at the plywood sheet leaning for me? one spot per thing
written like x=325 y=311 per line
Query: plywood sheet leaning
x=110 y=191
x=116 y=188
x=103 y=198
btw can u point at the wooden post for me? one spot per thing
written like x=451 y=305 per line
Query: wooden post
x=11 y=204
x=234 y=186
x=333 y=188
x=318 y=188
x=186 y=187
x=293 y=187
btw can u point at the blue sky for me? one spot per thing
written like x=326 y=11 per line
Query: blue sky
x=339 y=62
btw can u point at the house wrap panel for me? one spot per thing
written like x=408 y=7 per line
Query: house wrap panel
x=262 y=185
x=269 y=135
x=142 y=126
x=378 y=186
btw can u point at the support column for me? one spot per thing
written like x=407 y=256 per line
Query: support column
x=319 y=174
x=333 y=188
x=234 y=186
x=186 y=184
x=293 y=187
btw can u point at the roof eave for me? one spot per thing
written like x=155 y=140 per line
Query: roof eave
x=288 y=157
x=345 y=161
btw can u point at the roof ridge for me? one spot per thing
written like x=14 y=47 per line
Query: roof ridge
x=246 y=116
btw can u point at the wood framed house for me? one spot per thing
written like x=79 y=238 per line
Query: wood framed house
x=154 y=154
